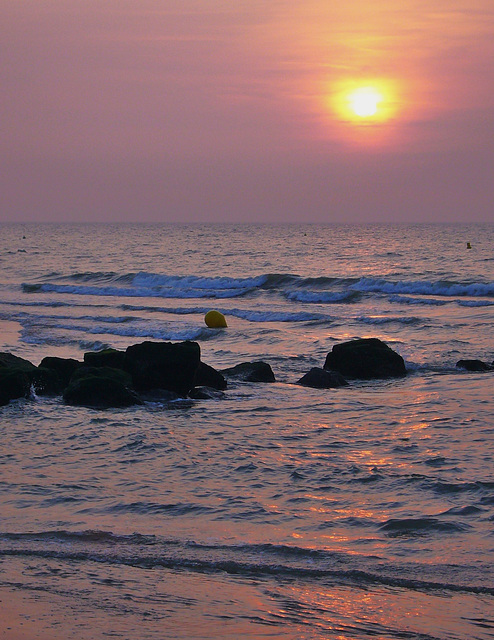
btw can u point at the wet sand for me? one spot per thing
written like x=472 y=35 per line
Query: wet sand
x=39 y=615
x=30 y=616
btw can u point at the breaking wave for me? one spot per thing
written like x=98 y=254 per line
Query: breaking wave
x=426 y=288
x=321 y=290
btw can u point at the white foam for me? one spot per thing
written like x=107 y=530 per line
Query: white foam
x=440 y=288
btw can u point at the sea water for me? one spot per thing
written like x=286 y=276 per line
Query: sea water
x=277 y=511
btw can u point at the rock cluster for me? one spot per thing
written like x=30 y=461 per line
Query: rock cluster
x=108 y=378
x=363 y=359
x=164 y=371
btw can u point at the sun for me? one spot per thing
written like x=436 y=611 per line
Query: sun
x=364 y=102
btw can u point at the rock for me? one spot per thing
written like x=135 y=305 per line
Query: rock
x=322 y=379
x=105 y=358
x=46 y=381
x=257 y=371
x=366 y=359
x=205 y=393
x=206 y=376
x=163 y=365
x=14 y=383
x=160 y=395
x=473 y=365
x=106 y=372
x=16 y=377
x=9 y=361
x=100 y=387
x=63 y=368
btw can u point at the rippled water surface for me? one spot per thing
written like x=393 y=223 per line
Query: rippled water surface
x=277 y=511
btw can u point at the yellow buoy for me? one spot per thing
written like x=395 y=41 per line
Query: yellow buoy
x=215 y=319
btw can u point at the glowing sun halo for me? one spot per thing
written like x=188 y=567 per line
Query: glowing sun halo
x=364 y=102
x=366 y=105
x=363 y=110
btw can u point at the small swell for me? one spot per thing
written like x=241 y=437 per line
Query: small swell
x=323 y=297
x=173 y=509
x=247 y=569
x=419 y=526
x=378 y=320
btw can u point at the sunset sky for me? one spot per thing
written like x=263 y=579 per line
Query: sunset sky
x=245 y=110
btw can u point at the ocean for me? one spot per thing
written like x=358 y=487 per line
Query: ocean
x=275 y=511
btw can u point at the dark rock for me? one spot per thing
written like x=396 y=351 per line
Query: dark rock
x=46 y=382
x=473 y=365
x=14 y=383
x=163 y=365
x=366 y=359
x=100 y=387
x=206 y=376
x=119 y=375
x=17 y=376
x=257 y=371
x=160 y=395
x=63 y=368
x=105 y=358
x=205 y=393
x=8 y=360
x=322 y=379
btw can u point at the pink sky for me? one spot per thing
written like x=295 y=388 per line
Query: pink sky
x=233 y=110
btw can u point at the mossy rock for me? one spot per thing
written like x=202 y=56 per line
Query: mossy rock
x=63 y=368
x=163 y=365
x=17 y=375
x=102 y=372
x=100 y=387
x=9 y=361
x=105 y=358
x=14 y=383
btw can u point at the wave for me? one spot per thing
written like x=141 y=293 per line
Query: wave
x=143 y=284
x=323 y=297
x=292 y=287
x=152 y=280
x=54 y=304
x=134 y=292
x=408 y=300
x=378 y=320
x=420 y=526
x=256 y=315
x=241 y=560
x=475 y=303
x=33 y=333
x=439 y=288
